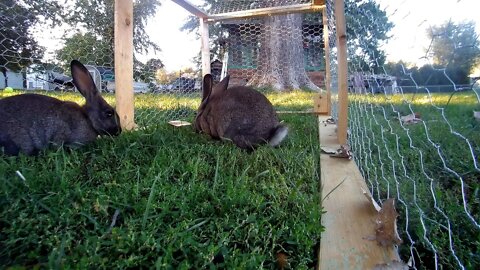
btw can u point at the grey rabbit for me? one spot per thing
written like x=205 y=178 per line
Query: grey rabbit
x=240 y=114
x=31 y=122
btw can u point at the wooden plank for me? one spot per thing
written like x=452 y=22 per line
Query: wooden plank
x=191 y=8
x=320 y=104
x=124 y=62
x=259 y=12
x=318 y=2
x=205 y=47
x=349 y=215
x=342 y=71
x=328 y=74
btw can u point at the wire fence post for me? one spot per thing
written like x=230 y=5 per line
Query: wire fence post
x=342 y=71
x=205 y=46
x=124 y=63
x=328 y=73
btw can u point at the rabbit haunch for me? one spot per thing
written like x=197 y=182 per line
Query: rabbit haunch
x=31 y=122
x=240 y=114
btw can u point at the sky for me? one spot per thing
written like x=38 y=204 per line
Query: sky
x=411 y=18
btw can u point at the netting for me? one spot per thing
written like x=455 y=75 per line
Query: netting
x=223 y=6
x=281 y=52
x=412 y=126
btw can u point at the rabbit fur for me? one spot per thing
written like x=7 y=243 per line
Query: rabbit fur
x=31 y=122
x=240 y=114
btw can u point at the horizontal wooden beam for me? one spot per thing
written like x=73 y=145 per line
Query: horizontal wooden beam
x=318 y=2
x=259 y=12
x=349 y=218
x=191 y=8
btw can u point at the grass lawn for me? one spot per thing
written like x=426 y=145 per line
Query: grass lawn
x=429 y=167
x=165 y=197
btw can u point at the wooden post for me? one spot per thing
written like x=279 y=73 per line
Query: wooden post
x=342 y=72
x=204 y=36
x=328 y=75
x=124 y=63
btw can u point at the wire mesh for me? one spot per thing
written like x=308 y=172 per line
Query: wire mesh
x=413 y=131
x=225 y=6
x=277 y=52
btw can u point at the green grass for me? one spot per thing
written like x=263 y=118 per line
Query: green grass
x=164 y=197
x=401 y=162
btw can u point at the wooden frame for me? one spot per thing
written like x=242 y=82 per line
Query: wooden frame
x=342 y=71
x=328 y=73
x=205 y=46
x=314 y=6
x=124 y=63
x=265 y=11
x=191 y=8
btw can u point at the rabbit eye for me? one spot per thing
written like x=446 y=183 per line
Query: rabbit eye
x=109 y=113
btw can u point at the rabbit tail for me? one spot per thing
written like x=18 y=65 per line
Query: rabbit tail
x=278 y=135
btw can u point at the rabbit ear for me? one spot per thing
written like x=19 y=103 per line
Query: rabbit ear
x=83 y=80
x=221 y=86
x=207 y=86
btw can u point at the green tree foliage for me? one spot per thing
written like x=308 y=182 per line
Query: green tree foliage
x=19 y=48
x=87 y=48
x=455 y=46
x=367 y=27
x=147 y=72
x=95 y=18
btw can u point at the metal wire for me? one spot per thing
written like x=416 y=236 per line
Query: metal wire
x=413 y=162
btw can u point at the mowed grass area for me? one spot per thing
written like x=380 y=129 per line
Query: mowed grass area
x=429 y=167
x=166 y=198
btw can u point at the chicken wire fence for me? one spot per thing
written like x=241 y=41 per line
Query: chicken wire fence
x=412 y=125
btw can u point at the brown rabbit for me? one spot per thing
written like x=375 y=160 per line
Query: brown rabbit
x=240 y=114
x=30 y=122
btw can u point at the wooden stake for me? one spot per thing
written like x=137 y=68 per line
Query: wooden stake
x=124 y=63
x=342 y=72
x=328 y=75
x=204 y=36
x=191 y=8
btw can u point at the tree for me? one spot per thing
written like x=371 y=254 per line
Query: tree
x=147 y=72
x=87 y=48
x=96 y=21
x=17 y=46
x=367 y=28
x=455 y=46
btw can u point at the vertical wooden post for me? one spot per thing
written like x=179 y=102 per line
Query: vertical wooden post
x=342 y=72
x=328 y=75
x=204 y=37
x=124 y=63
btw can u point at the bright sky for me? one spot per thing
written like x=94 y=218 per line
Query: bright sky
x=412 y=18
x=178 y=48
x=408 y=43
